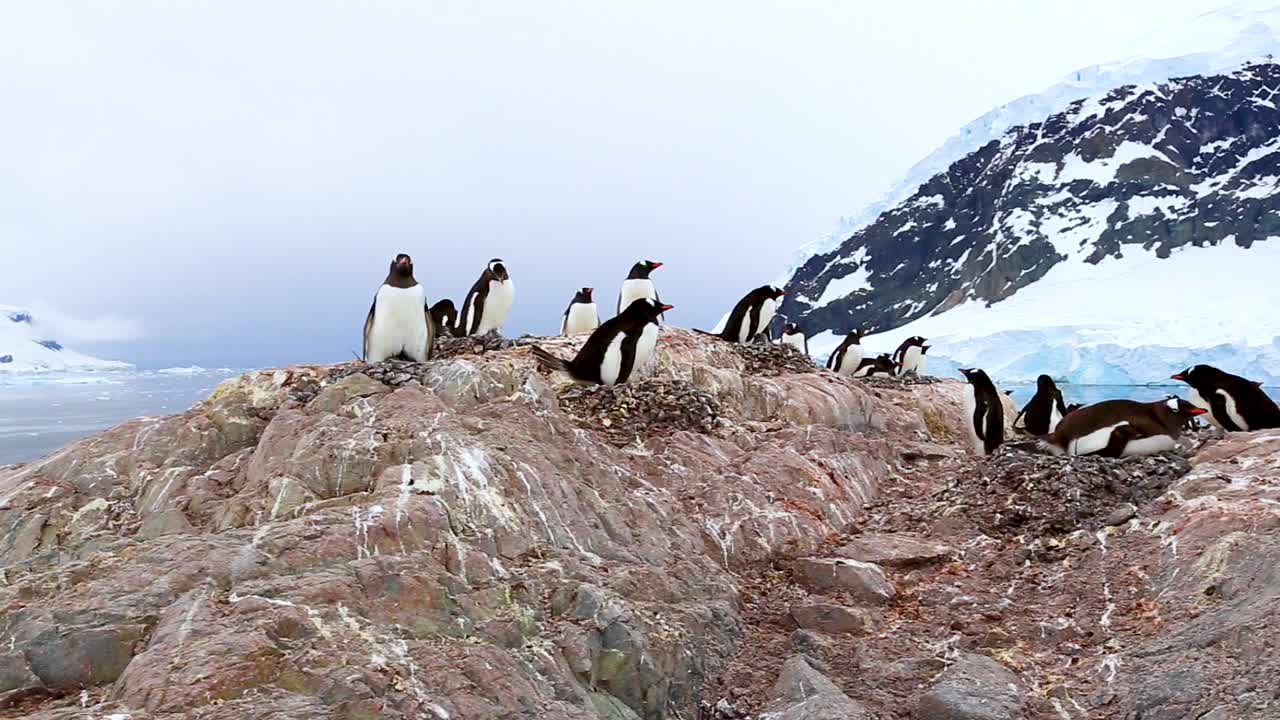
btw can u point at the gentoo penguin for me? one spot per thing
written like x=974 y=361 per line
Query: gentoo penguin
x=881 y=365
x=909 y=357
x=791 y=335
x=984 y=412
x=752 y=314
x=1234 y=403
x=445 y=317
x=488 y=302
x=581 y=315
x=1122 y=428
x=399 y=324
x=638 y=285
x=1045 y=410
x=847 y=359
x=618 y=347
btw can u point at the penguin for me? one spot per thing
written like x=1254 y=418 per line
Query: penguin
x=488 y=302
x=1045 y=410
x=909 y=357
x=847 y=359
x=1072 y=408
x=752 y=314
x=791 y=335
x=638 y=285
x=984 y=412
x=445 y=317
x=399 y=323
x=581 y=315
x=1122 y=428
x=1235 y=404
x=617 y=348
x=881 y=365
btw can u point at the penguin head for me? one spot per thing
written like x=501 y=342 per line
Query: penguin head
x=1044 y=382
x=975 y=375
x=641 y=270
x=774 y=291
x=584 y=296
x=855 y=336
x=1198 y=375
x=1182 y=408
x=401 y=268
x=790 y=329
x=646 y=309
x=499 y=269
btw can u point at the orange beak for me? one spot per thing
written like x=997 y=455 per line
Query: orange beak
x=665 y=308
x=1197 y=411
x=1179 y=376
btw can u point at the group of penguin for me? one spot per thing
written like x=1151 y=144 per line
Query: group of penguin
x=401 y=324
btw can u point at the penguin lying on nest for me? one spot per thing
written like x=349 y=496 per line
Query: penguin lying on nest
x=1121 y=428
x=615 y=350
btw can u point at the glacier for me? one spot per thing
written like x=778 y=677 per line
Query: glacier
x=1131 y=320
x=25 y=348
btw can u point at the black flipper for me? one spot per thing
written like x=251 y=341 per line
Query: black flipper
x=368 y=328
x=1218 y=404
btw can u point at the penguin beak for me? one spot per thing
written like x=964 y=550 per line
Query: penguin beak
x=1179 y=376
x=1196 y=411
x=664 y=308
x=654 y=264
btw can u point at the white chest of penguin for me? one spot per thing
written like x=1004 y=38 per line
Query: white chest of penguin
x=848 y=362
x=581 y=318
x=748 y=330
x=497 y=303
x=795 y=340
x=913 y=360
x=399 y=323
x=611 y=369
x=634 y=289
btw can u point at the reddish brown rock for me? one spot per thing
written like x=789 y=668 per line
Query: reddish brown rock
x=861 y=580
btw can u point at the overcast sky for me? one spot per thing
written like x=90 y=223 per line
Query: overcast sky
x=225 y=182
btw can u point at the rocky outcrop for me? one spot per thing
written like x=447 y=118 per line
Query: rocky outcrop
x=469 y=539
x=462 y=539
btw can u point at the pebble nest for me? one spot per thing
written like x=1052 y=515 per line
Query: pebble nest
x=1021 y=489
x=637 y=410
x=451 y=347
x=773 y=359
x=894 y=381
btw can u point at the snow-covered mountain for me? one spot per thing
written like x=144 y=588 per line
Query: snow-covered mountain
x=25 y=347
x=1113 y=241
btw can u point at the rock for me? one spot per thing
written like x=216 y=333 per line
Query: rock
x=15 y=675
x=974 y=687
x=864 y=581
x=69 y=659
x=608 y=707
x=828 y=618
x=808 y=642
x=347 y=388
x=803 y=693
x=1121 y=515
x=164 y=523
x=896 y=550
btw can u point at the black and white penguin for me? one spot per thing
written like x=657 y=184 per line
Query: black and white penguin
x=793 y=336
x=909 y=357
x=638 y=286
x=488 y=302
x=445 y=317
x=1045 y=410
x=615 y=350
x=1122 y=428
x=880 y=365
x=399 y=324
x=581 y=316
x=752 y=314
x=1235 y=404
x=984 y=412
x=847 y=359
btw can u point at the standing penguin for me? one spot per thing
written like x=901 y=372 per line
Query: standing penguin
x=615 y=350
x=847 y=359
x=581 y=315
x=1122 y=428
x=1235 y=404
x=791 y=335
x=638 y=286
x=909 y=357
x=1045 y=410
x=880 y=365
x=445 y=317
x=488 y=302
x=984 y=412
x=399 y=324
x=752 y=314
